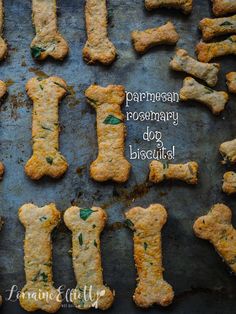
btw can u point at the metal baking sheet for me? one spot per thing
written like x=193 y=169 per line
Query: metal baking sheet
x=202 y=282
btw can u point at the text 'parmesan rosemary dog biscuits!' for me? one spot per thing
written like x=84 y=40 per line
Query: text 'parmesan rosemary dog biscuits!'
x=224 y=7
x=228 y=151
x=163 y=35
x=110 y=163
x=184 y=172
x=98 y=47
x=3 y=45
x=216 y=227
x=214 y=100
x=229 y=182
x=207 y=72
x=215 y=27
x=86 y=225
x=48 y=41
x=46 y=159
x=3 y=90
x=207 y=51
x=231 y=82
x=147 y=224
x=39 y=293
x=184 y=5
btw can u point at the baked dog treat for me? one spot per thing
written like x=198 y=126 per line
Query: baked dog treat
x=207 y=51
x=229 y=183
x=216 y=227
x=163 y=35
x=207 y=72
x=231 y=82
x=98 y=47
x=184 y=5
x=3 y=45
x=214 y=100
x=228 y=151
x=223 y=7
x=39 y=293
x=3 y=90
x=48 y=41
x=216 y=27
x=110 y=163
x=86 y=225
x=184 y=172
x=147 y=224
x=46 y=159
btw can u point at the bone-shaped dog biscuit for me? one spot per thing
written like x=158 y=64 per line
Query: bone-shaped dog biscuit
x=184 y=5
x=229 y=183
x=147 y=224
x=207 y=72
x=98 y=47
x=48 y=41
x=228 y=151
x=110 y=163
x=207 y=51
x=214 y=100
x=216 y=227
x=231 y=81
x=86 y=225
x=184 y=172
x=144 y=40
x=46 y=159
x=3 y=45
x=223 y=7
x=3 y=90
x=215 y=27
x=39 y=293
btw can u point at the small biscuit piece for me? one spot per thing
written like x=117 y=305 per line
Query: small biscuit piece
x=39 y=293
x=48 y=41
x=86 y=225
x=163 y=35
x=147 y=224
x=216 y=227
x=229 y=183
x=207 y=72
x=231 y=82
x=207 y=51
x=184 y=5
x=184 y=172
x=228 y=151
x=216 y=27
x=214 y=100
x=3 y=90
x=3 y=45
x=110 y=163
x=98 y=47
x=223 y=7
x=46 y=159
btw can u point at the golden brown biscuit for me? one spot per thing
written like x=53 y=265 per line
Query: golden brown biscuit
x=214 y=100
x=163 y=35
x=184 y=172
x=207 y=51
x=207 y=72
x=39 y=293
x=223 y=7
x=98 y=47
x=216 y=27
x=229 y=183
x=231 y=81
x=48 y=41
x=184 y=5
x=110 y=163
x=228 y=151
x=147 y=224
x=86 y=225
x=3 y=45
x=216 y=227
x=3 y=90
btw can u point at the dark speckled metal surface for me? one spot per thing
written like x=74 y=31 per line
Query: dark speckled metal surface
x=202 y=282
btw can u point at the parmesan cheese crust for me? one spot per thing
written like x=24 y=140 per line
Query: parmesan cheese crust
x=163 y=35
x=228 y=151
x=38 y=292
x=86 y=225
x=110 y=163
x=231 y=82
x=217 y=228
x=147 y=224
x=224 y=7
x=3 y=45
x=229 y=183
x=48 y=41
x=3 y=90
x=46 y=159
x=184 y=5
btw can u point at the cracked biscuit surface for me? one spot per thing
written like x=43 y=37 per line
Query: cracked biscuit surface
x=223 y=7
x=184 y=5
